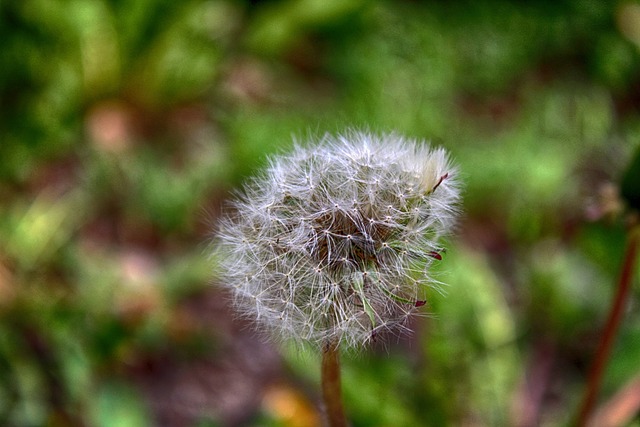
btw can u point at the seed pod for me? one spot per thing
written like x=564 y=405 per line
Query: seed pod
x=335 y=240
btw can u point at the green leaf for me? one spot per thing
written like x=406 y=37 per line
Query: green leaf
x=630 y=186
x=117 y=404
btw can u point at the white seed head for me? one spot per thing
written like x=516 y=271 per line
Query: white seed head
x=335 y=241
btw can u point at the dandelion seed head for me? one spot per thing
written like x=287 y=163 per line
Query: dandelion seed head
x=334 y=241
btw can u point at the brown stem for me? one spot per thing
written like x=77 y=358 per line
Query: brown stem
x=611 y=327
x=331 y=385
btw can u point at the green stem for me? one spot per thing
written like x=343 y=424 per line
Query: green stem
x=331 y=385
x=613 y=322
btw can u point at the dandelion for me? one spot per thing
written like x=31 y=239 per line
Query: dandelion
x=332 y=245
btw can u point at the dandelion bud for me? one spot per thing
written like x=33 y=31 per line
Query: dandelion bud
x=334 y=242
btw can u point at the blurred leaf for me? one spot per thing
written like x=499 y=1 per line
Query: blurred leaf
x=630 y=186
x=567 y=292
x=39 y=84
x=25 y=388
x=624 y=361
x=118 y=405
x=187 y=274
x=34 y=233
x=476 y=332
x=280 y=24
x=377 y=390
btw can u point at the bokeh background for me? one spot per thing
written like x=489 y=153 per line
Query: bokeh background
x=124 y=126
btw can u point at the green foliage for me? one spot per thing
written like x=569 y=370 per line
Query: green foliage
x=125 y=124
x=117 y=405
x=630 y=186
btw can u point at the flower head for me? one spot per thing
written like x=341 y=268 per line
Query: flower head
x=334 y=241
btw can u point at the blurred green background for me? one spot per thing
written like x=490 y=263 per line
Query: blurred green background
x=124 y=125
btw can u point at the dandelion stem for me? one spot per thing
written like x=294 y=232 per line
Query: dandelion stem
x=331 y=385
x=611 y=327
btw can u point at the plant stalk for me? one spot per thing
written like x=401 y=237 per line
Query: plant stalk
x=331 y=392
x=611 y=328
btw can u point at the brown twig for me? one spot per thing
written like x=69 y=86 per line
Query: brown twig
x=331 y=385
x=613 y=322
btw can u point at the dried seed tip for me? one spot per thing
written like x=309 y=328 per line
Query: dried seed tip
x=442 y=178
x=334 y=241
